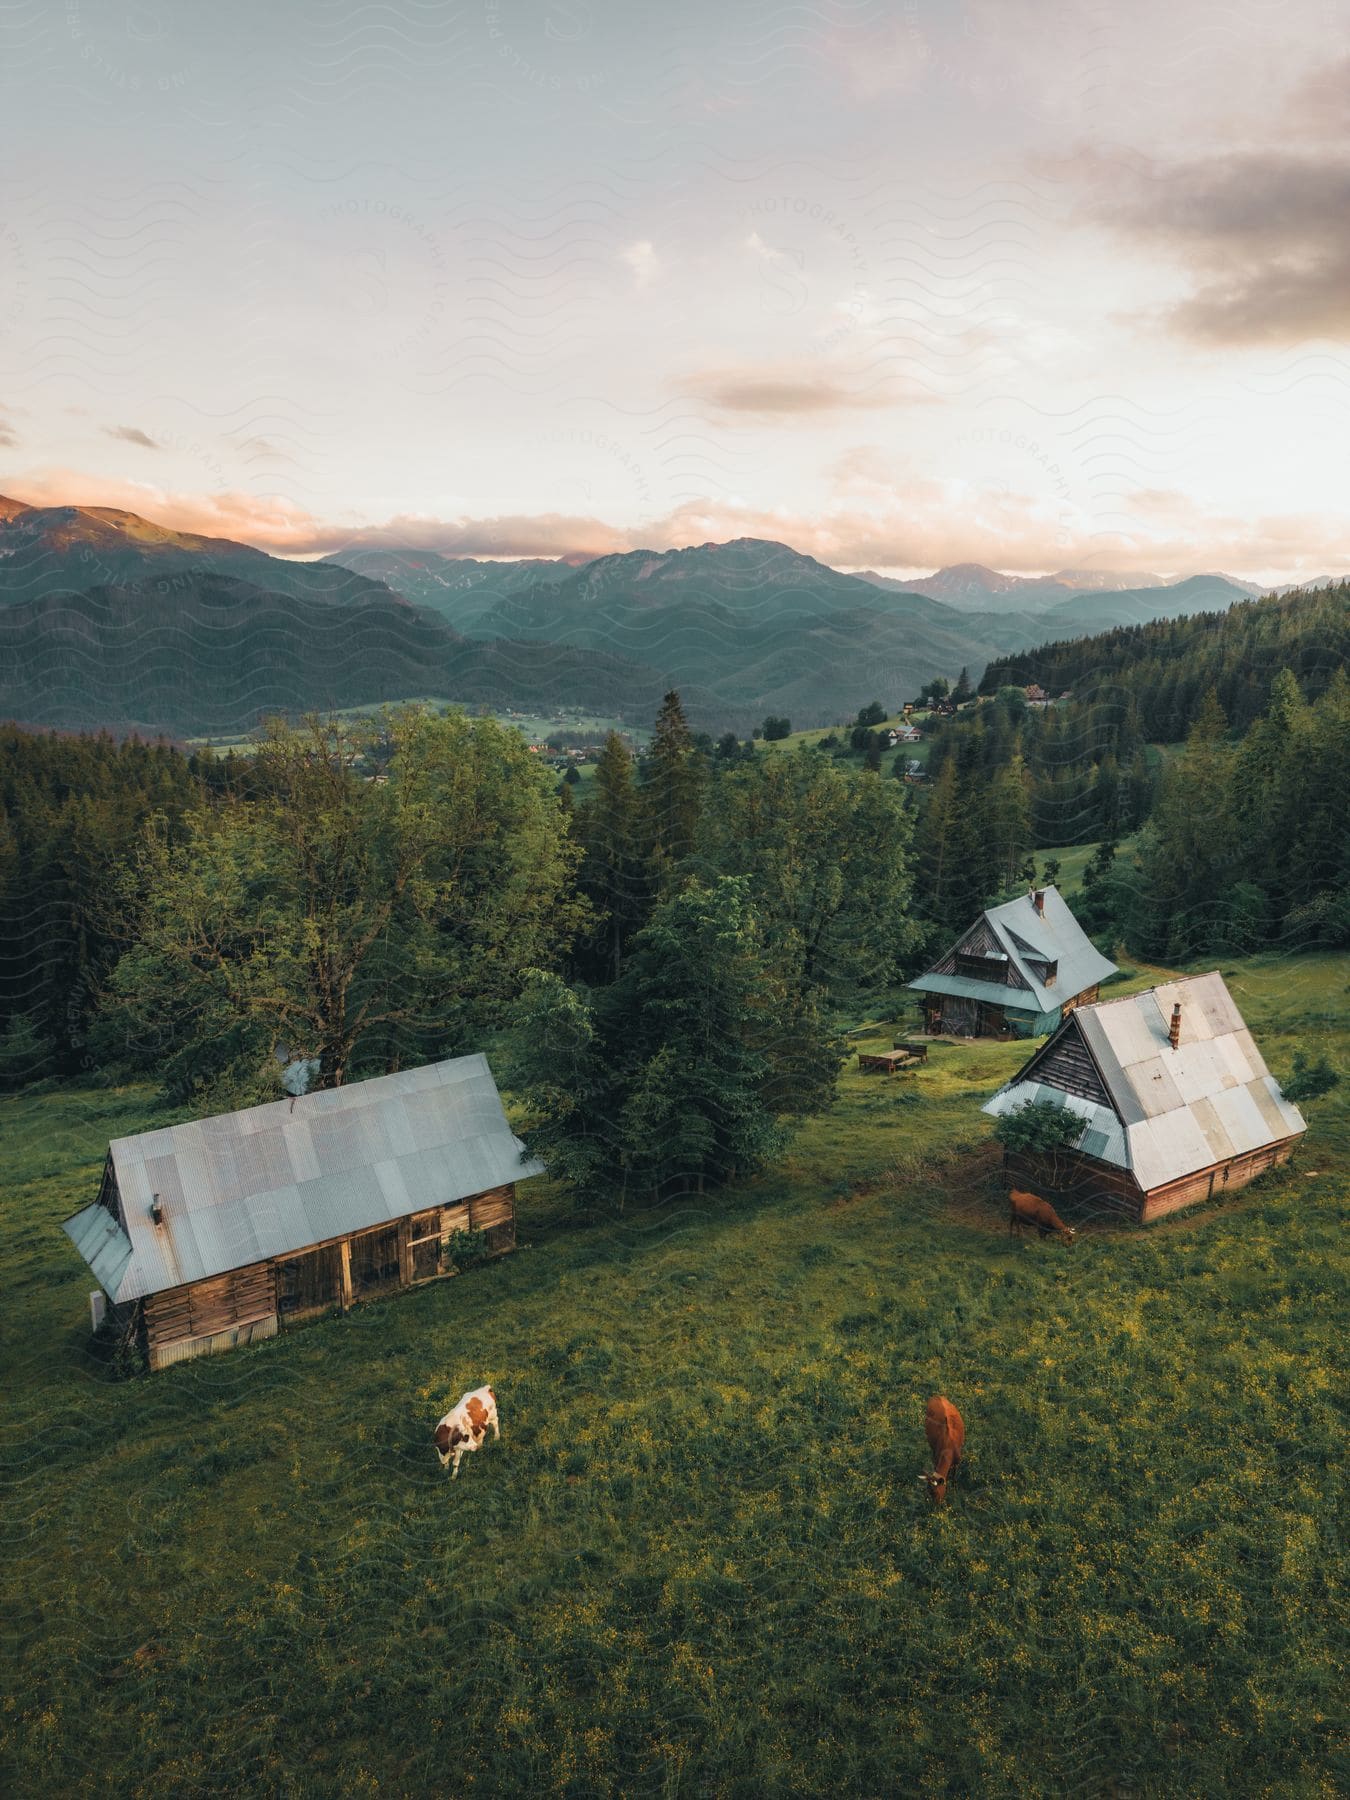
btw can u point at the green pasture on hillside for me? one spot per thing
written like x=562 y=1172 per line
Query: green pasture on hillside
x=699 y=1561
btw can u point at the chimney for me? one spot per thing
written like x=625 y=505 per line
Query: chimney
x=1038 y=901
x=156 y=1210
x=1174 y=1029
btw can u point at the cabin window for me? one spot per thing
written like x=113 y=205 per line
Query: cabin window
x=1044 y=971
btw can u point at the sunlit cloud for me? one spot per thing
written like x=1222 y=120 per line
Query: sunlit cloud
x=131 y=434
x=642 y=259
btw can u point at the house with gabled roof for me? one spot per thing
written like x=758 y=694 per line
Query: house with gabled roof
x=1176 y=1101
x=222 y=1230
x=1017 y=972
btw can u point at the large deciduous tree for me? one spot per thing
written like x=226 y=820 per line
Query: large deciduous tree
x=348 y=920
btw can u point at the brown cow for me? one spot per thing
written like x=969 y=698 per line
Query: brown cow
x=946 y=1433
x=1029 y=1209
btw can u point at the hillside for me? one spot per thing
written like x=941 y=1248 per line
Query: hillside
x=462 y=589
x=97 y=605
x=1139 y=606
x=700 y=1541
x=51 y=550
x=1166 y=665
x=209 y=654
x=973 y=587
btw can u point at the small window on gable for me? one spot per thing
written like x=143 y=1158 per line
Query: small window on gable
x=981 y=967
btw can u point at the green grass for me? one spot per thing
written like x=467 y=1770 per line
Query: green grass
x=917 y=752
x=1074 y=858
x=699 y=1561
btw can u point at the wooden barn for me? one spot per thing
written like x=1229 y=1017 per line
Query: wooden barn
x=221 y=1231
x=1177 y=1100
x=1017 y=972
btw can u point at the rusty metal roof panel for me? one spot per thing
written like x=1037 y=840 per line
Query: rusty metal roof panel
x=1164 y=1148
x=243 y=1187
x=1282 y=1119
x=1241 y=1119
x=1152 y=1086
x=1218 y=1140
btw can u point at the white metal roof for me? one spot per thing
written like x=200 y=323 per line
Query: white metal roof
x=242 y=1187
x=1052 y=935
x=1176 y=1111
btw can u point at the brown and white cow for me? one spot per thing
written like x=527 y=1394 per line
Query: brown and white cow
x=1029 y=1209
x=465 y=1426
x=945 y=1430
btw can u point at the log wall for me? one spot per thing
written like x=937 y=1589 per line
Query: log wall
x=246 y=1305
x=1223 y=1178
x=1082 y=1181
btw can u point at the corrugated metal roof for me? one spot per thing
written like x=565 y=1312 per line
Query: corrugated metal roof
x=1053 y=936
x=242 y=1187
x=1181 y=1110
x=964 y=987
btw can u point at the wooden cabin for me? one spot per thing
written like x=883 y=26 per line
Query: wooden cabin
x=223 y=1230
x=1177 y=1102
x=1017 y=972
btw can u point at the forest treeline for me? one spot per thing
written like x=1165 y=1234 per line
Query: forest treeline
x=664 y=957
x=1085 y=758
x=1159 y=674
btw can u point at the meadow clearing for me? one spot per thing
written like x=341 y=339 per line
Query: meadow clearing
x=699 y=1561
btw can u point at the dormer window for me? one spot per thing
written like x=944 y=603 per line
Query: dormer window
x=980 y=967
x=1043 y=970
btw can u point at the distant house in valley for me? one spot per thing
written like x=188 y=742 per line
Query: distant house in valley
x=906 y=734
x=219 y=1231
x=1036 y=694
x=1016 y=972
x=1176 y=1100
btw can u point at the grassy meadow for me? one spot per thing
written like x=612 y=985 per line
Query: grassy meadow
x=699 y=1562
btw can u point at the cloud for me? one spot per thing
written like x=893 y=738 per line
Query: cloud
x=131 y=434
x=642 y=259
x=779 y=390
x=879 y=514
x=1263 y=237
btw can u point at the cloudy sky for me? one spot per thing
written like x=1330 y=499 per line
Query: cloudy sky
x=1038 y=283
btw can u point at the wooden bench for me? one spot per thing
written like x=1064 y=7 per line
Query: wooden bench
x=919 y=1051
x=890 y=1062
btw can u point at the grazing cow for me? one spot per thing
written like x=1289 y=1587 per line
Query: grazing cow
x=945 y=1430
x=465 y=1426
x=1029 y=1209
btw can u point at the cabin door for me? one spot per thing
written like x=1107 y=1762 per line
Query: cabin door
x=375 y=1264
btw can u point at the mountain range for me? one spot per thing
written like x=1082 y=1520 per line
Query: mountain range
x=109 y=619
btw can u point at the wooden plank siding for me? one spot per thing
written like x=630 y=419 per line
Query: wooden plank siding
x=246 y=1304
x=1221 y=1178
x=980 y=941
x=1082 y=1181
x=1066 y=1063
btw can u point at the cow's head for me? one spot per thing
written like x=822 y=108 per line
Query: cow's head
x=447 y=1437
x=936 y=1485
x=1068 y=1233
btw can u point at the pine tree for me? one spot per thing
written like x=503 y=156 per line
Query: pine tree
x=672 y=785
x=613 y=875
